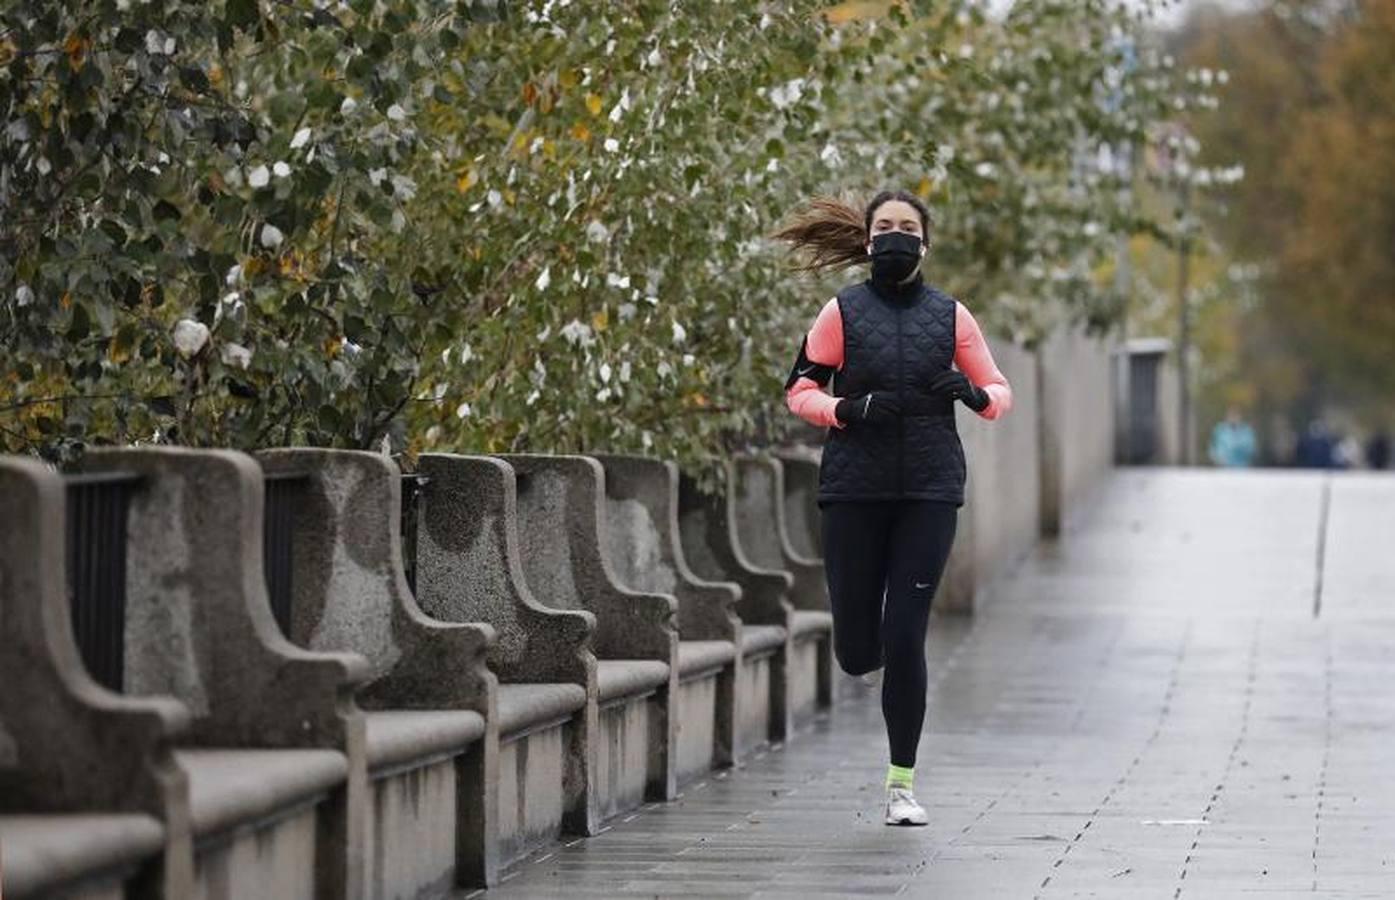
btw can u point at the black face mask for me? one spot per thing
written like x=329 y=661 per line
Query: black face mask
x=895 y=257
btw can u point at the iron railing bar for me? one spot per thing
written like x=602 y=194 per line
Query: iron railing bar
x=278 y=542
x=97 y=505
x=118 y=574
x=78 y=540
x=104 y=573
x=413 y=485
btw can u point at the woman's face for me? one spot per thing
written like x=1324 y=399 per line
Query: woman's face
x=895 y=215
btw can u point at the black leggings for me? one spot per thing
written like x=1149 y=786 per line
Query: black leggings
x=894 y=550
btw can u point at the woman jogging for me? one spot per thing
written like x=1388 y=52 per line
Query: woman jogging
x=898 y=353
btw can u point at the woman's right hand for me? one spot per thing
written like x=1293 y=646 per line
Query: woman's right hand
x=872 y=407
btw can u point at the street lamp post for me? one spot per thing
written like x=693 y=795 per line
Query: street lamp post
x=1184 y=327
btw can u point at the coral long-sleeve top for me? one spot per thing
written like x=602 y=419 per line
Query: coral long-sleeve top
x=825 y=347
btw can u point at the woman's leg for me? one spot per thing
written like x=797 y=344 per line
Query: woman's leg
x=919 y=543
x=855 y=553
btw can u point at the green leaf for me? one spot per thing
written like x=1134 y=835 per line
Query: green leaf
x=80 y=324
x=242 y=13
x=164 y=211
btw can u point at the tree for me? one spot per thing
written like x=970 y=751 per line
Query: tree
x=535 y=226
x=1338 y=261
x=1308 y=112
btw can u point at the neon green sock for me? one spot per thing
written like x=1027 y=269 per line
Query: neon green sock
x=900 y=777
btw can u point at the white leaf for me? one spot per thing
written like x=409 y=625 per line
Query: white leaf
x=617 y=111
x=403 y=188
x=259 y=177
x=302 y=137
x=281 y=170
x=190 y=337
x=271 y=236
x=544 y=279
x=236 y=355
x=577 y=333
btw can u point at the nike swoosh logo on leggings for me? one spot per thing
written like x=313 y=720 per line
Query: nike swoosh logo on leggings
x=919 y=585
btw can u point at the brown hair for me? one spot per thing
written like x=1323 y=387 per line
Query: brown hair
x=832 y=233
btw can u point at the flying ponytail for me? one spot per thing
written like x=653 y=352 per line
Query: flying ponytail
x=832 y=234
x=828 y=234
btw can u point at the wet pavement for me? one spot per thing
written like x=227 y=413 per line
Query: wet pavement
x=1192 y=695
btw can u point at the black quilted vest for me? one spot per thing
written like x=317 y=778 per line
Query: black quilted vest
x=895 y=344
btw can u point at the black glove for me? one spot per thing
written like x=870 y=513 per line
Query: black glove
x=956 y=386
x=875 y=407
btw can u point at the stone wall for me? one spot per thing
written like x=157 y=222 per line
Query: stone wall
x=1079 y=411
x=1031 y=468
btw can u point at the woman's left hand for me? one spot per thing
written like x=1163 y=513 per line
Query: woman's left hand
x=956 y=386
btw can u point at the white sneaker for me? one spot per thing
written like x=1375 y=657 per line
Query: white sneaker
x=901 y=808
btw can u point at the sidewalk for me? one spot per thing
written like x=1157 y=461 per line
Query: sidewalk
x=1191 y=695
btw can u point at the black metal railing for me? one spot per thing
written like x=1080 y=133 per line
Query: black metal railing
x=97 y=507
x=412 y=487
x=284 y=492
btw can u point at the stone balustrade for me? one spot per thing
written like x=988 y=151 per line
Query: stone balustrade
x=285 y=712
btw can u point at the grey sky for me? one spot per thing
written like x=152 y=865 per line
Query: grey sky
x=1173 y=12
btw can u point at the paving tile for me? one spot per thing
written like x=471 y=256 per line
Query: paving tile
x=1146 y=708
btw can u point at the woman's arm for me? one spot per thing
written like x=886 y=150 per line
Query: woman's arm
x=820 y=356
x=973 y=358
